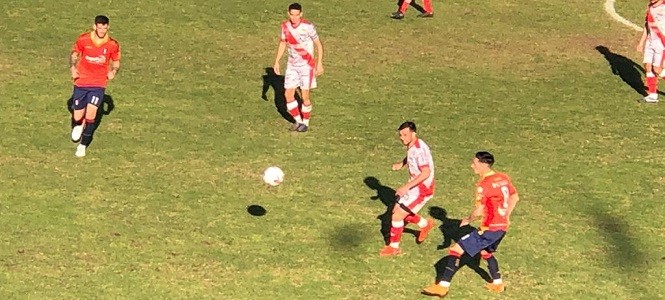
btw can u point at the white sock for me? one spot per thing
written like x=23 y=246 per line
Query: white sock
x=497 y=281
x=444 y=284
x=422 y=223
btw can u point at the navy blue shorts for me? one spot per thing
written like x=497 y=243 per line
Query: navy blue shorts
x=83 y=96
x=475 y=241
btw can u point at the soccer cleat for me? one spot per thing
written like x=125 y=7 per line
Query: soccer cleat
x=651 y=98
x=397 y=15
x=497 y=288
x=426 y=15
x=77 y=131
x=302 y=128
x=80 y=151
x=294 y=126
x=389 y=251
x=435 y=290
x=422 y=235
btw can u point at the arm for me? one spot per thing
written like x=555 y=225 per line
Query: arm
x=512 y=201
x=399 y=165
x=319 y=61
x=640 y=44
x=424 y=173
x=73 y=59
x=115 y=65
x=477 y=212
x=280 y=52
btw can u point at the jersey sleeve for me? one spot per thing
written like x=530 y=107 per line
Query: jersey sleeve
x=511 y=188
x=422 y=159
x=78 y=46
x=282 y=34
x=312 y=33
x=115 y=55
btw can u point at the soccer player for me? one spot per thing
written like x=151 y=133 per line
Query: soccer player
x=652 y=43
x=91 y=56
x=404 y=4
x=415 y=193
x=301 y=70
x=496 y=198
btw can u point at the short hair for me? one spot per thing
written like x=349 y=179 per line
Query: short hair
x=485 y=157
x=295 y=6
x=101 y=19
x=407 y=124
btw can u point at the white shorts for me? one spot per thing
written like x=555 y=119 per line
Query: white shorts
x=302 y=77
x=653 y=53
x=415 y=199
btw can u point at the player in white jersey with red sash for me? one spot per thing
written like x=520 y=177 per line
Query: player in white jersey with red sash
x=652 y=43
x=415 y=193
x=301 y=70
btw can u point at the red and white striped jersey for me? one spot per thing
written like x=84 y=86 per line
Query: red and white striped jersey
x=655 y=19
x=300 y=42
x=417 y=157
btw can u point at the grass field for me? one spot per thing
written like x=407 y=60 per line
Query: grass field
x=158 y=208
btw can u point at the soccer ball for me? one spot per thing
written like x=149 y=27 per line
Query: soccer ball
x=273 y=176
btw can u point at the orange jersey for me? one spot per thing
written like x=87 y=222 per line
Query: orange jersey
x=493 y=191
x=95 y=55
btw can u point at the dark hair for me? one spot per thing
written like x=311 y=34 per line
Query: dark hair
x=101 y=19
x=407 y=124
x=295 y=6
x=485 y=157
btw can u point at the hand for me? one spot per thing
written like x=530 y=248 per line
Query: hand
x=640 y=47
x=401 y=191
x=276 y=68
x=397 y=166
x=110 y=75
x=319 y=69
x=75 y=72
x=464 y=222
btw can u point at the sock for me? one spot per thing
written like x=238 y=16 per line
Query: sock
x=412 y=219
x=76 y=122
x=493 y=267
x=652 y=83
x=306 y=113
x=87 y=132
x=292 y=107
x=396 y=233
x=427 y=5
x=404 y=6
x=451 y=268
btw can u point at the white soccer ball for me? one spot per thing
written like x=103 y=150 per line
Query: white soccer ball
x=273 y=176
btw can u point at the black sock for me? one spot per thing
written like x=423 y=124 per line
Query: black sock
x=451 y=268
x=493 y=266
x=76 y=123
x=88 y=130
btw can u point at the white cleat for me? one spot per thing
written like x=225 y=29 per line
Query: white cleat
x=77 y=131
x=80 y=151
x=651 y=98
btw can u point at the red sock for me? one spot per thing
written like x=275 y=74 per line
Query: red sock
x=292 y=107
x=404 y=6
x=396 y=233
x=306 y=113
x=412 y=219
x=427 y=5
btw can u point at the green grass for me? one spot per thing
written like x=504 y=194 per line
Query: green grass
x=158 y=207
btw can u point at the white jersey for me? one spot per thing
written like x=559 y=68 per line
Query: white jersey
x=417 y=157
x=655 y=21
x=300 y=43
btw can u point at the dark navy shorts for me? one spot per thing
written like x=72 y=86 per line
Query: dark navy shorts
x=475 y=241
x=83 y=96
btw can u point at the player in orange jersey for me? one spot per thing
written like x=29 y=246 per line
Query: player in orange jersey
x=415 y=193
x=404 y=4
x=496 y=198
x=92 y=53
x=652 y=43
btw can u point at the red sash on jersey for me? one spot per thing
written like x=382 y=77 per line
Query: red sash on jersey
x=651 y=19
x=296 y=46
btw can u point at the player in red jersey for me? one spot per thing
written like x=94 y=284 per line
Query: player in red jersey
x=404 y=4
x=652 y=43
x=92 y=53
x=496 y=198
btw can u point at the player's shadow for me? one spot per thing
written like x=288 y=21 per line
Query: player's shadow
x=276 y=82
x=452 y=232
x=413 y=4
x=629 y=71
x=386 y=195
x=105 y=108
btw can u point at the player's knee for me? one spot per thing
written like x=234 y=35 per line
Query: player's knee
x=454 y=253
x=486 y=254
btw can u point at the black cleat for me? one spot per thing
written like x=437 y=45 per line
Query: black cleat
x=302 y=128
x=397 y=15
x=294 y=127
x=426 y=15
